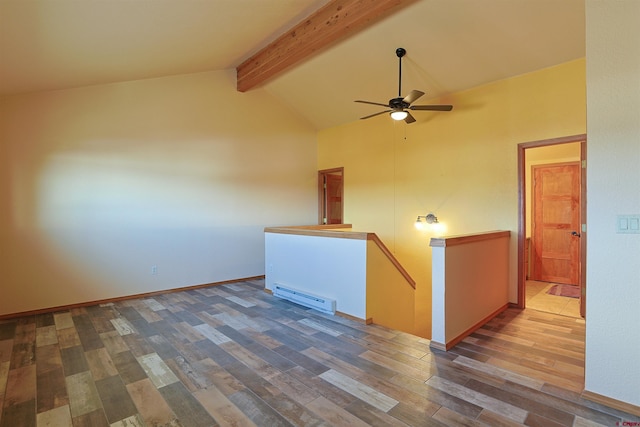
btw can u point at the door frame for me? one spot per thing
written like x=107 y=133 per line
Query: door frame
x=321 y=202
x=582 y=139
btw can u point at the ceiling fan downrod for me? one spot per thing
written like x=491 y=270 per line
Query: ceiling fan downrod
x=400 y=52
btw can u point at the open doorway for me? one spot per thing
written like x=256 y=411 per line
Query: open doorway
x=552 y=231
x=330 y=196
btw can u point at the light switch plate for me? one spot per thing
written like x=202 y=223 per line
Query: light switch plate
x=628 y=224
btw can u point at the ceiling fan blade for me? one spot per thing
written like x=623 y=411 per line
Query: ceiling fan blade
x=413 y=95
x=376 y=114
x=372 y=103
x=432 y=107
x=409 y=118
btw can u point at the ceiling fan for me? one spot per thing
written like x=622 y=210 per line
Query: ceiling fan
x=398 y=106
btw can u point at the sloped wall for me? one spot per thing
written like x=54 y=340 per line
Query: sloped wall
x=147 y=185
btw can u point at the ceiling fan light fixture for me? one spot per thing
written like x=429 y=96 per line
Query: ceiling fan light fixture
x=399 y=115
x=398 y=106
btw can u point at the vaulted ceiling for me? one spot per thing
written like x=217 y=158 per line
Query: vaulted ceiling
x=451 y=45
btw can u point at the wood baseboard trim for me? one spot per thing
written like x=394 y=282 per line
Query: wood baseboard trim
x=123 y=298
x=612 y=403
x=452 y=343
x=354 y=318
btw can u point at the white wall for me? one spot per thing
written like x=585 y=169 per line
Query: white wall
x=613 y=187
x=98 y=184
x=328 y=267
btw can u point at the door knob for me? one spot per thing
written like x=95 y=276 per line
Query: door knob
x=575 y=233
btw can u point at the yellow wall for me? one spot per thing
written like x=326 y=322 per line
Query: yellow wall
x=390 y=297
x=98 y=184
x=461 y=165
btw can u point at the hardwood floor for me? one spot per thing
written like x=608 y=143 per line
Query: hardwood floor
x=232 y=355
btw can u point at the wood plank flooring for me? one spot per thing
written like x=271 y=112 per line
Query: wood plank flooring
x=232 y=355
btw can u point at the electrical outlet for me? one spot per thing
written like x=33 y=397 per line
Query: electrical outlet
x=154 y=269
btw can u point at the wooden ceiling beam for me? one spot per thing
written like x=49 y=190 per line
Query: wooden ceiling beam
x=323 y=28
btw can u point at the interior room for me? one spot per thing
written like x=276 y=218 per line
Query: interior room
x=146 y=146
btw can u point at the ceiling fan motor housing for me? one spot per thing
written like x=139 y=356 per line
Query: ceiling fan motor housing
x=398 y=104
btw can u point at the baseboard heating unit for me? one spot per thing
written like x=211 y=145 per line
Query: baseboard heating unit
x=306 y=299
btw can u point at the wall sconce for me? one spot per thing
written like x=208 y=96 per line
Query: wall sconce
x=428 y=219
x=430 y=222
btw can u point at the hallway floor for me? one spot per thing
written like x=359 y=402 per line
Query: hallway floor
x=538 y=299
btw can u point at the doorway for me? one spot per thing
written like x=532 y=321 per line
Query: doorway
x=552 y=234
x=555 y=222
x=330 y=196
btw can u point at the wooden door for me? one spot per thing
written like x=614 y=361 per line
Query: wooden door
x=330 y=189
x=333 y=195
x=556 y=223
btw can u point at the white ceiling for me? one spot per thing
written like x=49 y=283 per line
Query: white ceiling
x=451 y=45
